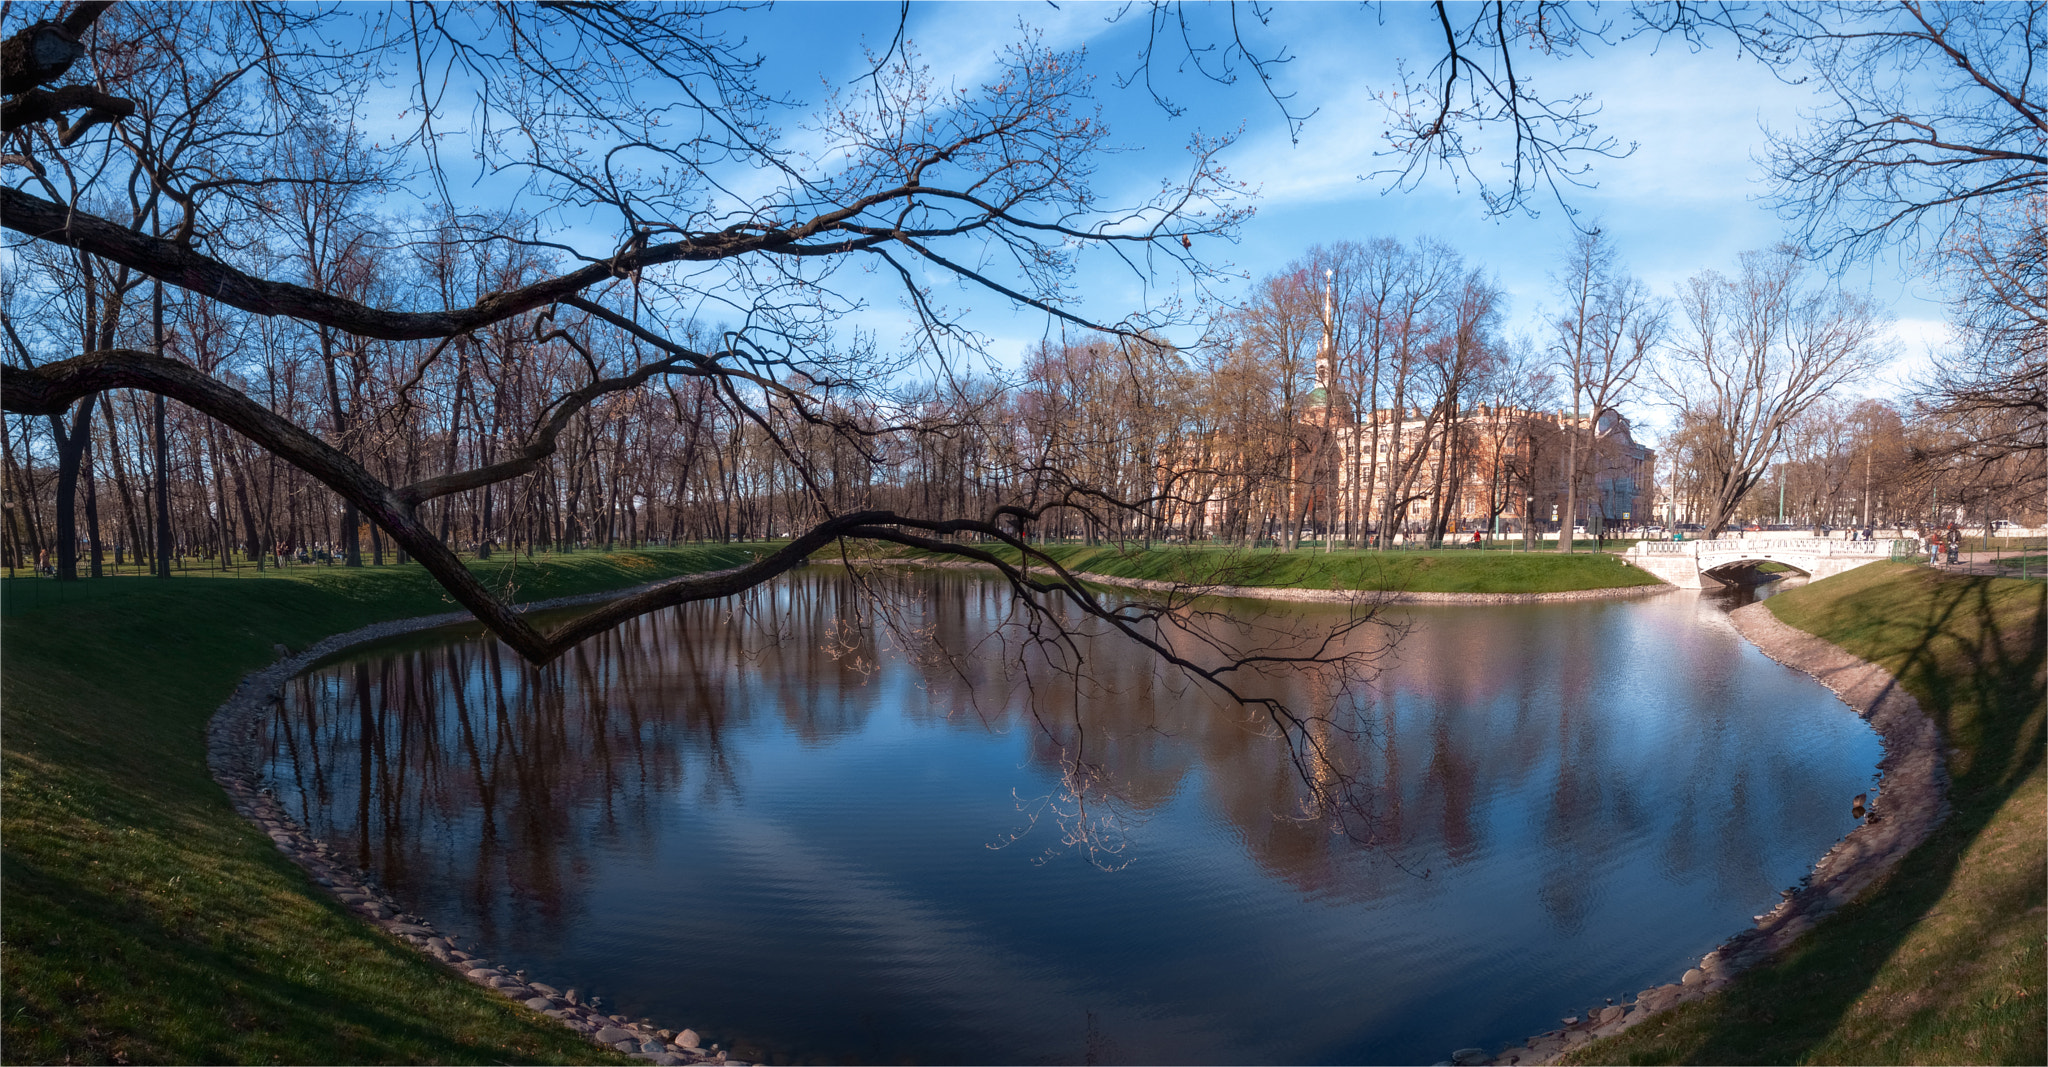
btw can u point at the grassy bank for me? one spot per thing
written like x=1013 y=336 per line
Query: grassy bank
x=143 y=921
x=1421 y=571
x=1942 y=962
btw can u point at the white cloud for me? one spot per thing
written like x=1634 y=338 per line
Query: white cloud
x=1921 y=337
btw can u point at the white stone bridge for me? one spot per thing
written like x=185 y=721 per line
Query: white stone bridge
x=1689 y=564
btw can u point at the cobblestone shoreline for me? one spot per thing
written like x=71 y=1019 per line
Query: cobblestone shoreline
x=232 y=757
x=1346 y=596
x=1912 y=801
x=1298 y=595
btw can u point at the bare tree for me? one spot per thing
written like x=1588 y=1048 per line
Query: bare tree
x=1604 y=337
x=1991 y=392
x=1517 y=384
x=1935 y=115
x=1759 y=349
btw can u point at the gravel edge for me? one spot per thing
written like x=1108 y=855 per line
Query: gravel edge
x=1346 y=596
x=231 y=756
x=1912 y=802
x=1310 y=596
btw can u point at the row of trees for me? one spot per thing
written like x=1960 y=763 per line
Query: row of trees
x=1229 y=440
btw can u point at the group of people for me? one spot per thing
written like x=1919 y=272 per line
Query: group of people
x=1935 y=541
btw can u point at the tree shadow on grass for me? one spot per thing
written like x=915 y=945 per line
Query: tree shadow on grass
x=1973 y=655
x=205 y=991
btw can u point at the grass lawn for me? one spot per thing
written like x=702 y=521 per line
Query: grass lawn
x=1456 y=570
x=1942 y=962
x=2030 y=566
x=143 y=920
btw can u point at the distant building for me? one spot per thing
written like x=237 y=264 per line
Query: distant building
x=1429 y=472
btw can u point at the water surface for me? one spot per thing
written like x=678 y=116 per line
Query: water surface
x=813 y=845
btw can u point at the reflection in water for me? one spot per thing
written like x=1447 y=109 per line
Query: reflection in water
x=818 y=843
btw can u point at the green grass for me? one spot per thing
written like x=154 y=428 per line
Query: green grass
x=1941 y=962
x=143 y=920
x=1440 y=571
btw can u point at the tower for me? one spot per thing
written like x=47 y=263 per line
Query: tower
x=1318 y=436
x=1323 y=407
x=1326 y=353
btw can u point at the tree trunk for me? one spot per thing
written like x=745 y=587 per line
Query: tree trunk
x=351 y=541
x=70 y=453
x=24 y=501
x=253 y=534
x=1571 y=482
x=95 y=555
x=163 y=487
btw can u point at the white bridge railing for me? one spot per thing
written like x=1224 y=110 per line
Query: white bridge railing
x=1777 y=546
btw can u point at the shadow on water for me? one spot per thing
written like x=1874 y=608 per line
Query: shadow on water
x=820 y=842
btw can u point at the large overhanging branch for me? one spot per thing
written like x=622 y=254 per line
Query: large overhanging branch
x=38 y=105
x=53 y=388
x=41 y=52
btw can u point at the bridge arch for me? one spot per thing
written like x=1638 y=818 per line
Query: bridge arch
x=1689 y=564
x=1803 y=564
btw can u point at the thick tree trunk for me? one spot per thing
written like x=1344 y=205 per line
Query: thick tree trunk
x=70 y=453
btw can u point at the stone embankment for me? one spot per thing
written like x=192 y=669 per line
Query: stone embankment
x=232 y=756
x=1346 y=596
x=1913 y=801
x=1294 y=593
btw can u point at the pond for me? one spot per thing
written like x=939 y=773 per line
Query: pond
x=815 y=842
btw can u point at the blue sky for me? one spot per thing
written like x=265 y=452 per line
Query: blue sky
x=1687 y=199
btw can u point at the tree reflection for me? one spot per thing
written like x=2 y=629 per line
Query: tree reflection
x=450 y=761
